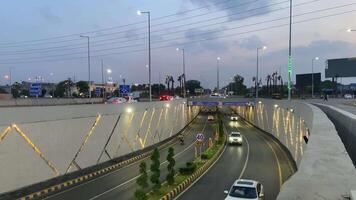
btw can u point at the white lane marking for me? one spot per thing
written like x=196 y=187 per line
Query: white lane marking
x=247 y=157
x=202 y=174
x=134 y=178
x=103 y=176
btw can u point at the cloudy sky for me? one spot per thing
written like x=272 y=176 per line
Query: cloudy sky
x=41 y=37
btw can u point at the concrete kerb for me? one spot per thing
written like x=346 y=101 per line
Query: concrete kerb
x=181 y=188
x=66 y=181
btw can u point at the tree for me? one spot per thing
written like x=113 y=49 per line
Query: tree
x=158 y=89
x=83 y=87
x=191 y=85
x=155 y=171
x=64 y=88
x=170 y=167
x=16 y=89
x=238 y=85
x=140 y=193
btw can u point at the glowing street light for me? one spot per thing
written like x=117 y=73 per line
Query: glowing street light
x=256 y=81
x=350 y=30
x=108 y=71
x=316 y=58
x=217 y=73
x=149 y=48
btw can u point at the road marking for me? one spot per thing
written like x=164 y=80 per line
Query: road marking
x=201 y=176
x=247 y=158
x=134 y=178
x=126 y=166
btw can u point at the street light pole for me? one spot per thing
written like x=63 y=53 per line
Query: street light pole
x=256 y=81
x=290 y=52
x=149 y=49
x=89 y=82
x=316 y=58
x=217 y=73
x=184 y=76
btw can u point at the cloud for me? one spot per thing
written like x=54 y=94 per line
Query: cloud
x=47 y=14
x=246 y=8
x=250 y=43
x=193 y=35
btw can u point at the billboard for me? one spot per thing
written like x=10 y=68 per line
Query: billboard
x=343 y=67
x=305 y=80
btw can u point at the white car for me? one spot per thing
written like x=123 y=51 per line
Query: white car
x=245 y=189
x=235 y=138
x=116 y=100
x=210 y=118
x=234 y=118
x=348 y=96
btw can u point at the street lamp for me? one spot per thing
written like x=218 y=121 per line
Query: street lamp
x=217 y=74
x=53 y=88
x=316 y=58
x=290 y=51
x=89 y=83
x=350 y=30
x=256 y=81
x=149 y=49
x=183 y=61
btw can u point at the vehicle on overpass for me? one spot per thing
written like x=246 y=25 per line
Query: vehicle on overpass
x=245 y=189
x=234 y=118
x=235 y=138
x=116 y=100
x=210 y=118
x=217 y=95
x=348 y=96
x=165 y=98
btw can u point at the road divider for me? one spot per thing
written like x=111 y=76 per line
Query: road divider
x=184 y=182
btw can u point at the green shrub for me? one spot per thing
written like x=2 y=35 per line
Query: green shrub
x=188 y=169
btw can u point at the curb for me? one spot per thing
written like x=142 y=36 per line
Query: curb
x=78 y=180
x=194 y=177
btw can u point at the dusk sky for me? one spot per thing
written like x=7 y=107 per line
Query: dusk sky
x=41 y=37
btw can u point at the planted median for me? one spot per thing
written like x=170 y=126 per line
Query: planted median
x=177 y=180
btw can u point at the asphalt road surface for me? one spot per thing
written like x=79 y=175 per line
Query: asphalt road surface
x=259 y=158
x=121 y=184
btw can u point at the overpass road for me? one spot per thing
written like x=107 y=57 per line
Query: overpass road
x=121 y=184
x=259 y=158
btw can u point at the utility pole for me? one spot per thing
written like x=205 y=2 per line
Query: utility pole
x=89 y=81
x=217 y=74
x=102 y=80
x=290 y=68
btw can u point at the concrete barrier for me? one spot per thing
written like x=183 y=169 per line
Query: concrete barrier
x=345 y=123
x=325 y=171
x=47 y=101
x=39 y=143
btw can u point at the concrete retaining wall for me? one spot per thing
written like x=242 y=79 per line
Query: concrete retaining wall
x=38 y=143
x=46 y=101
x=345 y=123
x=288 y=126
x=325 y=171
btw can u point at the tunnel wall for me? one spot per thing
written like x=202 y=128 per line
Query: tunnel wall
x=39 y=143
x=325 y=170
x=288 y=126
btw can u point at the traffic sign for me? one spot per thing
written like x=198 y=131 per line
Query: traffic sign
x=124 y=89
x=200 y=137
x=35 y=90
x=98 y=91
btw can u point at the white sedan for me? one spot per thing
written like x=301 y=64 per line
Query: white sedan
x=235 y=138
x=234 y=118
x=245 y=189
